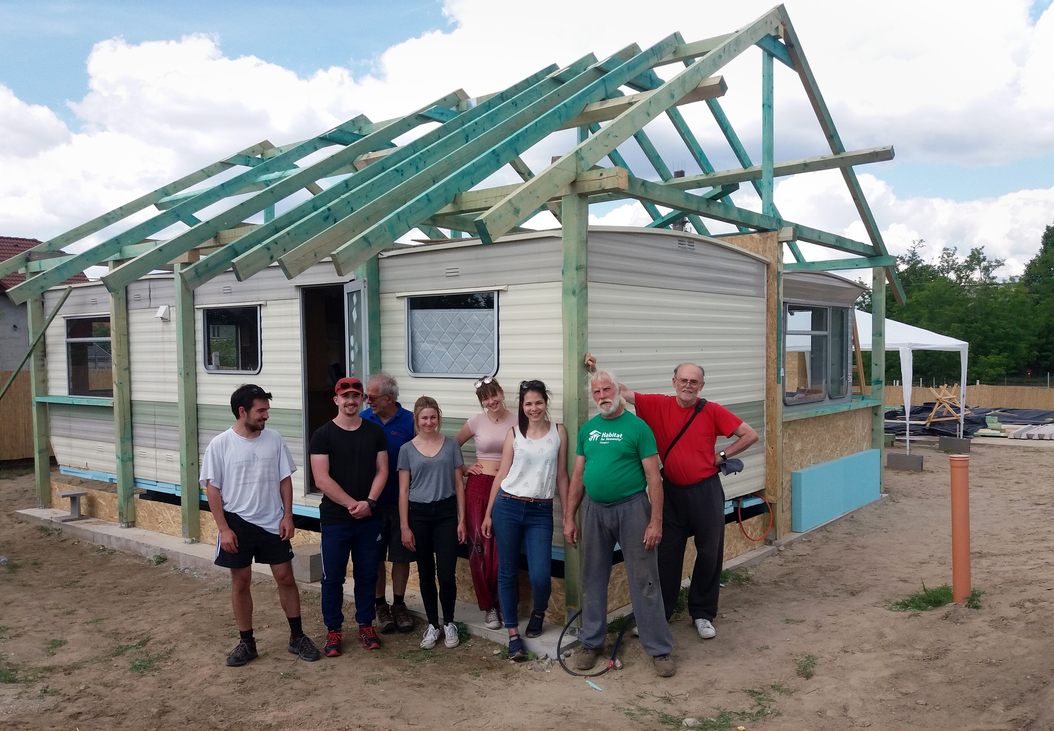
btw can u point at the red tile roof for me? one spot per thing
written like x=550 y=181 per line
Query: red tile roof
x=11 y=245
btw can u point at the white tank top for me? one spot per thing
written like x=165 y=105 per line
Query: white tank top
x=533 y=471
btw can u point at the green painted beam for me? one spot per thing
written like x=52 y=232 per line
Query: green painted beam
x=76 y=400
x=840 y=264
x=124 y=452
x=773 y=47
x=823 y=114
x=575 y=320
x=768 y=133
x=866 y=403
x=616 y=159
x=126 y=252
x=525 y=173
x=360 y=189
x=36 y=339
x=38 y=386
x=494 y=223
x=370 y=271
x=878 y=359
x=384 y=219
x=187 y=405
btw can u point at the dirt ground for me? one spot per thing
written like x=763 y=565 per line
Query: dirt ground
x=93 y=639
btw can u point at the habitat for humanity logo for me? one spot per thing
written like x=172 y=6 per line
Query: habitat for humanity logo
x=604 y=436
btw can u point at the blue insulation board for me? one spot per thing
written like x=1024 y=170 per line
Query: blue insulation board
x=823 y=492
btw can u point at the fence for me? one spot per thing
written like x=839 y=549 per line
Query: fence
x=1009 y=397
x=16 y=418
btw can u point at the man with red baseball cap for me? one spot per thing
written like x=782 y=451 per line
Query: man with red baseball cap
x=349 y=461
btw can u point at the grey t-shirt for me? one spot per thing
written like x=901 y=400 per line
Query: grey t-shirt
x=431 y=478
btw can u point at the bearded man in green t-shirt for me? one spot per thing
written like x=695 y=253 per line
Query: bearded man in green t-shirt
x=616 y=471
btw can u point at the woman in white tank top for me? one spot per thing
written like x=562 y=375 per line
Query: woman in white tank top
x=520 y=509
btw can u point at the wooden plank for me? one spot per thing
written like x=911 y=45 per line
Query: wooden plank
x=494 y=223
x=689 y=51
x=370 y=271
x=608 y=109
x=16 y=417
x=187 y=406
x=124 y=453
x=767 y=136
x=38 y=376
x=792 y=167
x=878 y=359
x=838 y=264
x=575 y=320
x=76 y=400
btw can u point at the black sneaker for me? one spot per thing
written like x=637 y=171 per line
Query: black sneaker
x=403 y=621
x=304 y=648
x=241 y=654
x=385 y=621
x=534 y=624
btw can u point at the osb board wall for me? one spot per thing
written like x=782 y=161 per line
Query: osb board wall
x=989 y=397
x=808 y=442
x=16 y=418
x=101 y=503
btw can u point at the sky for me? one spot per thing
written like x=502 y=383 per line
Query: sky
x=103 y=101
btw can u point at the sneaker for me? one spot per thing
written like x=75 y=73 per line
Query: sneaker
x=664 y=666
x=368 y=638
x=430 y=638
x=334 y=640
x=385 y=621
x=450 y=630
x=492 y=621
x=403 y=621
x=517 y=651
x=534 y=624
x=705 y=629
x=635 y=631
x=586 y=658
x=303 y=647
x=241 y=654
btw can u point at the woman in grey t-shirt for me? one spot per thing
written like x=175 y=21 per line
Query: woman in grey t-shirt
x=432 y=515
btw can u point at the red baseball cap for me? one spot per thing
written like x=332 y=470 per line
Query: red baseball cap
x=348 y=384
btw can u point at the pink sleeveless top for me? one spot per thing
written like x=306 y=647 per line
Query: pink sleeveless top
x=490 y=437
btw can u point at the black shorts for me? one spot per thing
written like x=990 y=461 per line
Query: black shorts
x=253 y=543
x=392 y=548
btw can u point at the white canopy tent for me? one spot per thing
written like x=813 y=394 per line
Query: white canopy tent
x=906 y=338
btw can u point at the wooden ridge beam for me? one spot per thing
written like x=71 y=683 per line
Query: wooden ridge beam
x=494 y=223
x=608 y=109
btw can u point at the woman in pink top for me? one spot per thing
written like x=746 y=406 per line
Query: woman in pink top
x=488 y=430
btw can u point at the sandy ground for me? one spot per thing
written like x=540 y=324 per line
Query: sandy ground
x=93 y=639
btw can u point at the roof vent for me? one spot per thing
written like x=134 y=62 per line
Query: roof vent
x=137 y=296
x=453 y=271
x=95 y=300
x=685 y=245
x=228 y=289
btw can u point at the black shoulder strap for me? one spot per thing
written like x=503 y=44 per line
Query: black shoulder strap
x=698 y=407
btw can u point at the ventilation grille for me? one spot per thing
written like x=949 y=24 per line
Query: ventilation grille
x=453 y=271
x=685 y=245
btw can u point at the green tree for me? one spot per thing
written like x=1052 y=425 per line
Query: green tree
x=1038 y=280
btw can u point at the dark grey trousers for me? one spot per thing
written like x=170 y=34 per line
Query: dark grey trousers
x=697 y=510
x=622 y=522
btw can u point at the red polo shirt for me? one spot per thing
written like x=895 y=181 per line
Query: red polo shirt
x=692 y=458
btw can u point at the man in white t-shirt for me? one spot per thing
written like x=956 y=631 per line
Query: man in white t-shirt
x=247 y=472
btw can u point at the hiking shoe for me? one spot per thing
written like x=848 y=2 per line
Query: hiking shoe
x=430 y=638
x=705 y=629
x=664 y=666
x=534 y=624
x=334 y=640
x=492 y=620
x=451 y=639
x=586 y=658
x=403 y=621
x=385 y=621
x=516 y=649
x=241 y=654
x=303 y=647
x=368 y=638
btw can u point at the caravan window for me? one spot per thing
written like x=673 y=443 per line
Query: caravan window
x=452 y=335
x=88 y=355
x=232 y=339
x=816 y=354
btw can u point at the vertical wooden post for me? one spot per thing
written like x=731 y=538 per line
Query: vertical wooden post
x=370 y=270
x=767 y=136
x=878 y=364
x=187 y=408
x=575 y=312
x=122 y=407
x=38 y=386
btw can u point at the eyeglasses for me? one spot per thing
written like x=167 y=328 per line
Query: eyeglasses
x=374 y=398
x=689 y=382
x=483 y=382
x=532 y=386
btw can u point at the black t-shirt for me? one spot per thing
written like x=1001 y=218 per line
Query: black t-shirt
x=352 y=463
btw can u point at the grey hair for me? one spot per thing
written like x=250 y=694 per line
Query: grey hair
x=702 y=373
x=386 y=385
x=605 y=375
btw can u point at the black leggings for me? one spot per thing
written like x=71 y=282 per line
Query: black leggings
x=434 y=526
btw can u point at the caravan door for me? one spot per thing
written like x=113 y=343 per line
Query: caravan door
x=356 y=325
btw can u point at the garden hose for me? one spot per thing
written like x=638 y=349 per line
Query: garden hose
x=614 y=650
x=739 y=517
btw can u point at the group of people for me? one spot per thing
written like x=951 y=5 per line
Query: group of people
x=394 y=490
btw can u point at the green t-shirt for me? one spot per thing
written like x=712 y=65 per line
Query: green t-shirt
x=613 y=449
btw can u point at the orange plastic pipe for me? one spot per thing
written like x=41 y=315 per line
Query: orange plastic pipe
x=960 y=464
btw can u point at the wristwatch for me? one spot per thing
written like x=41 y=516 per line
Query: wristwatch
x=372 y=503
x=721 y=454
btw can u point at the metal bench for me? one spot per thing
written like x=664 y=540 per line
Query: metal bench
x=74 y=497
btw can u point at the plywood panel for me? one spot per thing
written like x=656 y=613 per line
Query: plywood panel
x=991 y=397
x=16 y=418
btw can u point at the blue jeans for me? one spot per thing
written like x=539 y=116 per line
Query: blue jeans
x=519 y=522
x=362 y=542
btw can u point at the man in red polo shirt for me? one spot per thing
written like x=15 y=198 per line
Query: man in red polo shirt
x=695 y=500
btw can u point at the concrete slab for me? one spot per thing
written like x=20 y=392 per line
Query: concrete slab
x=906 y=462
x=954 y=445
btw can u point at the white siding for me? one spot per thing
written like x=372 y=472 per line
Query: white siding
x=153 y=356
x=85 y=454
x=55 y=357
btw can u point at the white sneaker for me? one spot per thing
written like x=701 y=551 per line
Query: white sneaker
x=430 y=637
x=452 y=640
x=705 y=629
x=492 y=621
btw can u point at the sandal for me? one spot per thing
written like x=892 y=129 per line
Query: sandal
x=534 y=625
x=516 y=649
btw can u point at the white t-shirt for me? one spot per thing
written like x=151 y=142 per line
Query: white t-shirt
x=248 y=473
